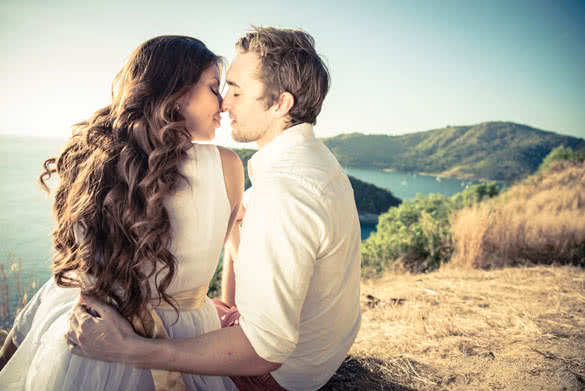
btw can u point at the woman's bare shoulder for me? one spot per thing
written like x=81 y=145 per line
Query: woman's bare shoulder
x=229 y=157
x=233 y=172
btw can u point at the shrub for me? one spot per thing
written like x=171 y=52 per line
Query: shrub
x=560 y=153
x=413 y=232
x=416 y=235
x=475 y=194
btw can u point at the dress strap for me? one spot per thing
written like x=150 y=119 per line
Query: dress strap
x=149 y=324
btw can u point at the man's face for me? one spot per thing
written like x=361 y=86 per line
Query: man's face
x=251 y=121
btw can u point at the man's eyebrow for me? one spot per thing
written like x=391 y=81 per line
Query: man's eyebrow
x=232 y=83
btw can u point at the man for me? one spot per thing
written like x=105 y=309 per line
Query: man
x=298 y=268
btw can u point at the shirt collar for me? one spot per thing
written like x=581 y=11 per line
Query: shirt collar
x=263 y=159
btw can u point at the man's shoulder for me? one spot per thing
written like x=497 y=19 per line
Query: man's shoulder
x=309 y=163
x=279 y=187
x=313 y=151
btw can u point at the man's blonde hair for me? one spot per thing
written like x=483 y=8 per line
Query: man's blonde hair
x=289 y=63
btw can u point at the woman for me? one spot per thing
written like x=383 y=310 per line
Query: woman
x=142 y=215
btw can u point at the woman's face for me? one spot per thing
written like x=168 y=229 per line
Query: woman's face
x=201 y=106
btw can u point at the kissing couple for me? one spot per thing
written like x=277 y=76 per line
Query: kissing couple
x=144 y=207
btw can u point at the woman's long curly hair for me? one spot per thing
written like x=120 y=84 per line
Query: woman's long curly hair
x=115 y=172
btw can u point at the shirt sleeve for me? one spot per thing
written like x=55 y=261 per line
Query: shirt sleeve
x=279 y=244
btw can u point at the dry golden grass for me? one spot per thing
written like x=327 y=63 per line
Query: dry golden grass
x=13 y=291
x=541 y=220
x=510 y=329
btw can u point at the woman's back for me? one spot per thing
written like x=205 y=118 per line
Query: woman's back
x=199 y=212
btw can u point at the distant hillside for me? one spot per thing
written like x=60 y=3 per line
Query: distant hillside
x=502 y=151
x=369 y=199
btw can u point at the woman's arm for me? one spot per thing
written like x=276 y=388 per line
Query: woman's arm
x=228 y=278
x=233 y=175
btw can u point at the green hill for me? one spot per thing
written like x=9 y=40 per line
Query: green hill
x=503 y=151
x=369 y=199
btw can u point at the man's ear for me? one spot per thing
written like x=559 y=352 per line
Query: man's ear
x=284 y=103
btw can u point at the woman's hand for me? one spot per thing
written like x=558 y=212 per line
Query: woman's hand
x=98 y=331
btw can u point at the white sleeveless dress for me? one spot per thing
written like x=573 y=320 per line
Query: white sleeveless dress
x=199 y=214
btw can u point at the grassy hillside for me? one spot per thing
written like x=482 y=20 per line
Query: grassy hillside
x=540 y=220
x=502 y=151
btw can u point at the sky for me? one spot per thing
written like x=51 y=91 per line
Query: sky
x=396 y=66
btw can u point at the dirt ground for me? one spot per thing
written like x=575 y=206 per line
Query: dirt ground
x=510 y=329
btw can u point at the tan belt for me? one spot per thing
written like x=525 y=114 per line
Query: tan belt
x=150 y=325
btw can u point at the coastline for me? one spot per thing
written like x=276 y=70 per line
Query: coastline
x=443 y=175
x=368 y=218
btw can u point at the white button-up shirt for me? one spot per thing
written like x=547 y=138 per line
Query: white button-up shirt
x=298 y=269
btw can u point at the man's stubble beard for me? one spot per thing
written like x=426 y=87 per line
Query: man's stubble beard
x=245 y=137
x=240 y=138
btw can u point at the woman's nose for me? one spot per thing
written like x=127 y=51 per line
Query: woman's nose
x=223 y=103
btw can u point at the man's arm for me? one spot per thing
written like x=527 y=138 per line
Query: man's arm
x=111 y=338
x=279 y=244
